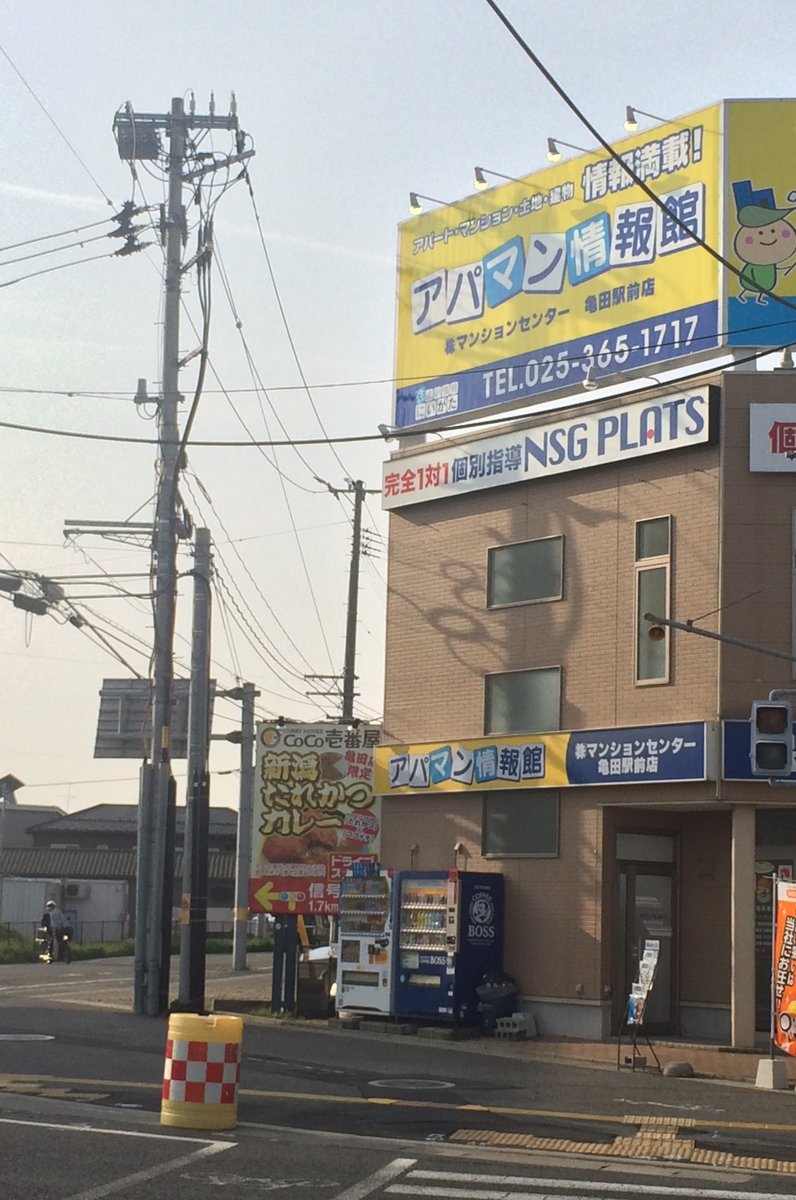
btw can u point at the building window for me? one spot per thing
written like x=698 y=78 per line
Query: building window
x=652 y=587
x=521 y=823
x=525 y=572
x=523 y=701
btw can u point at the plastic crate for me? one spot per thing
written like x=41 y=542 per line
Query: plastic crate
x=514 y=1027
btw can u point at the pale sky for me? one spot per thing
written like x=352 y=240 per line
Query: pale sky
x=350 y=104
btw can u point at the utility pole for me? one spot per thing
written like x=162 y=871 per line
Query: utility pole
x=356 y=488
x=193 y=914
x=350 y=656
x=137 y=136
x=247 y=695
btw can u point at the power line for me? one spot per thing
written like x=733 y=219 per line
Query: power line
x=286 y=325
x=46 y=237
x=465 y=423
x=243 y=563
x=125 y=396
x=641 y=183
x=78 y=262
x=54 y=124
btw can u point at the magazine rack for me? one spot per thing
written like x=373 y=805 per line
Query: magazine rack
x=633 y=1016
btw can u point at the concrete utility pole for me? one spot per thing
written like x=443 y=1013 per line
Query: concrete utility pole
x=356 y=488
x=193 y=915
x=247 y=695
x=137 y=137
x=350 y=656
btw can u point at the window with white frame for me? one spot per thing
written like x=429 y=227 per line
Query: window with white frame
x=652 y=595
x=520 y=823
x=523 y=701
x=525 y=572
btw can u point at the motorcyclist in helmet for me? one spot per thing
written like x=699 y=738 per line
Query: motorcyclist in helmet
x=53 y=921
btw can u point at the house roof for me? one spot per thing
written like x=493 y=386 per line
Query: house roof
x=123 y=818
x=32 y=863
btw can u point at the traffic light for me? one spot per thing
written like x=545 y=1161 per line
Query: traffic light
x=772 y=739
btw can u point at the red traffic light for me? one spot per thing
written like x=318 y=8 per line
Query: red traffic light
x=772 y=743
x=772 y=718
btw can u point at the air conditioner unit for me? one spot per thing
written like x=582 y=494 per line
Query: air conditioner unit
x=77 y=891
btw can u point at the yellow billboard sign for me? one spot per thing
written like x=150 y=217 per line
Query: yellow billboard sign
x=574 y=272
x=760 y=226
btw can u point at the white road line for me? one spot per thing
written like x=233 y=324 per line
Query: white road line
x=485 y=1195
x=65 y=981
x=547 y=1186
x=365 y=1187
x=134 y=1133
x=122 y=1185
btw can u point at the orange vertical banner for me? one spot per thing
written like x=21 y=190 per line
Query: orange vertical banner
x=784 y=967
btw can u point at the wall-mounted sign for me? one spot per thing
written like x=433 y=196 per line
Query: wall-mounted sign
x=772 y=437
x=515 y=293
x=315 y=814
x=644 y=754
x=645 y=427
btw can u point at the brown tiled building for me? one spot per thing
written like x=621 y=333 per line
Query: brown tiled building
x=516 y=609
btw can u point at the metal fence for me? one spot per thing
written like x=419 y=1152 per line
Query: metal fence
x=82 y=931
x=110 y=931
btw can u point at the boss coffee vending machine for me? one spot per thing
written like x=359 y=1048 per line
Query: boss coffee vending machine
x=448 y=933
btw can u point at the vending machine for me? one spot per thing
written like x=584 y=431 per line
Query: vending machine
x=365 y=951
x=449 y=932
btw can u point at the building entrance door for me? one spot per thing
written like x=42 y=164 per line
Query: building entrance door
x=646 y=912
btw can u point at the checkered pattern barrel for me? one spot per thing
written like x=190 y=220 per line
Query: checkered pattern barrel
x=201 y=1072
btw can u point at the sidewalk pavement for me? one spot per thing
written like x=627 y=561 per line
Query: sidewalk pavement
x=252 y=989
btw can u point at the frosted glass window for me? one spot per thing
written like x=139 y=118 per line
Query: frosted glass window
x=525 y=572
x=523 y=823
x=523 y=701
x=652 y=595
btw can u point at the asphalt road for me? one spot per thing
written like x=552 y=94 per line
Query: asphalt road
x=69 y=1045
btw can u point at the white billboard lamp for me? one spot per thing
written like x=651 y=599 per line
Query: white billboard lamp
x=481 y=181
x=416 y=207
x=553 y=152
x=631 y=123
x=591 y=380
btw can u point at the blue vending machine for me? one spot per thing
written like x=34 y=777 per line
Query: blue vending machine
x=449 y=932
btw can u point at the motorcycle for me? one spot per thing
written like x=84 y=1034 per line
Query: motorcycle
x=49 y=950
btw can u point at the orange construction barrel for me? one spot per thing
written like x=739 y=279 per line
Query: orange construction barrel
x=201 y=1072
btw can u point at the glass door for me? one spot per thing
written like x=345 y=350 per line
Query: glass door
x=646 y=913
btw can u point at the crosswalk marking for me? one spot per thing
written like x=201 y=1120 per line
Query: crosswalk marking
x=438 y=1184
x=365 y=1187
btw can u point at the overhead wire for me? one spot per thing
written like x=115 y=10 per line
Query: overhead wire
x=258 y=589
x=55 y=124
x=126 y=396
x=471 y=424
x=77 y=262
x=260 y=389
x=291 y=517
x=47 y=237
x=614 y=154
